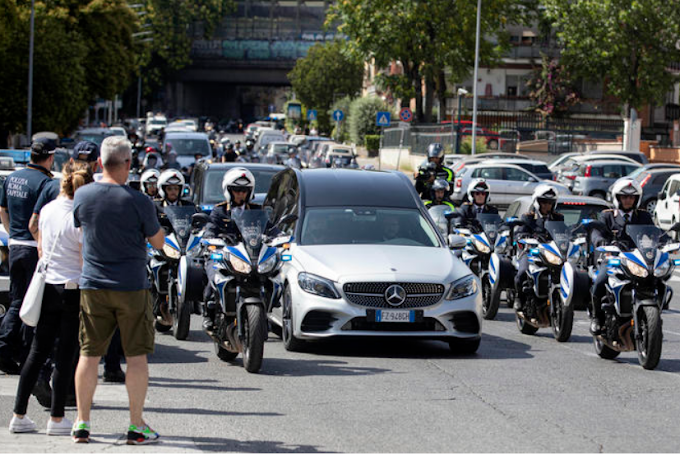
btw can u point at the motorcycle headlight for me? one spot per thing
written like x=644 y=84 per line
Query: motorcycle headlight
x=552 y=258
x=481 y=247
x=239 y=265
x=462 y=288
x=663 y=269
x=170 y=251
x=267 y=265
x=318 y=285
x=636 y=269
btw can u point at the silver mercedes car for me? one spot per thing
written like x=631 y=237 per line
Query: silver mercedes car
x=367 y=260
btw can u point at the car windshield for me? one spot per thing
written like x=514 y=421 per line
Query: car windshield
x=212 y=185
x=252 y=224
x=575 y=212
x=189 y=146
x=60 y=158
x=280 y=148
x=647 y=239
x=438 y=214
x=491 y=225
x=158 y=122
x=560 y=233
x=96 y=138
x=539 y=169
x=367 y=225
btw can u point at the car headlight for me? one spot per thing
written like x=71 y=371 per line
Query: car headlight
x=267 y=265
x=481 y=247
x=239 y=265
x=552 y=258
x=663 y=269
x=636 y=269
x=462 y=288
x=170 y=251
x=318 y=285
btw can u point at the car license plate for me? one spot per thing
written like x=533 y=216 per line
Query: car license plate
x=395 y=316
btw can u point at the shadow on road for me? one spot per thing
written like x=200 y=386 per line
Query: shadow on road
x=310 y=368
x=194 y=386
x=171 y=354
x=495 y=347
x=188 y=411
x=220 y=444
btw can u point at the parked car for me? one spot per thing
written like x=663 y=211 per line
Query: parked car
x=207 y=181
x=560 y=161
x=537 y=167
x=567 y=172
x=667 y=210
x=187 y=145
x=411 y=287
x=651 y=181
x=595 y=178
x=96 y=135
x=633 y=155
x=478 y=158
x=507 y=182
x=493 y=139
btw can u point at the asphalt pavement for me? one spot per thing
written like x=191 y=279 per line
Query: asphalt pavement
x=517 y=394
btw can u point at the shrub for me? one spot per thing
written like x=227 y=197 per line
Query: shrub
x=466 y=146
x=362 y=114
x=372 y=143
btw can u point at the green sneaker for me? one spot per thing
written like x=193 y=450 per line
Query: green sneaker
x=81 y=432
x=141 y=435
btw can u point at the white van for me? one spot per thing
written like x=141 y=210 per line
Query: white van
x=667 y=211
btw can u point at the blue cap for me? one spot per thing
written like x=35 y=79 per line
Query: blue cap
x=86 y=148
x=43 y=146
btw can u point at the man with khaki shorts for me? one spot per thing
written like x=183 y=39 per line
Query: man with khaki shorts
x=116 y=221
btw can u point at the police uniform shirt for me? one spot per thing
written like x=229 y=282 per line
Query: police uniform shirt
x=19 y=195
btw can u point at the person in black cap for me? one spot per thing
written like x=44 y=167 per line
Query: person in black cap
x=18 y=196
x=85 y=152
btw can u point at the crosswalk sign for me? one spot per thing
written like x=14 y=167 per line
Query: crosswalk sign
x=311 y=115
x=382 y=119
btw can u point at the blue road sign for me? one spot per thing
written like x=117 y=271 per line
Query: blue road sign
x=338 y=115
x=382 y=119
x=311 y=114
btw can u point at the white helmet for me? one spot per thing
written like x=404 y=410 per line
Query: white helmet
x=626 y=187
x=545 y=192
x=169 y=177
x=478 y=185
x=149 y=177
x=238 y=177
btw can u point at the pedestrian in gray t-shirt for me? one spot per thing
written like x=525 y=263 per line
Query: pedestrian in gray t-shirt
x=117 y=222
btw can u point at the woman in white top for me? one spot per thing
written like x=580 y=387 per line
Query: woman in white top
x=59 y=317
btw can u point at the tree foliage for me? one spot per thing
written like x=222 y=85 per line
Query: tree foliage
x=629 y=43
x=362 y=116
x=433 y=40
x=552 y=90
x=326 y=73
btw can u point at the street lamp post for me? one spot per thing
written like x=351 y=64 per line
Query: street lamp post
x=461 y=93
x=474 y=83
x=29 y=119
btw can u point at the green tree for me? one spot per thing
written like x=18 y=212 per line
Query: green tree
x=552 y=90
x=430 y=39
x=326 y=72
x=628 y=43
x=362 y=115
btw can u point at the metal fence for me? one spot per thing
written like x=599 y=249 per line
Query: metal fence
x=503 y=131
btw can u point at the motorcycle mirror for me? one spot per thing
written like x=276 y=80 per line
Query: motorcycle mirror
x=675 y=227
x=290 y=218
x=199 y=220
x=452 y=215
x=456 y=242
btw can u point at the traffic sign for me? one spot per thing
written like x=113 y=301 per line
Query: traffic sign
x=338 y=115
x=311 y=114
x=382 y=119
x=406 y=115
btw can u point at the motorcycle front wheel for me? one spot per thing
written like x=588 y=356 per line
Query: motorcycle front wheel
x=651 y=338
x=561 y=317
x=253 y=344
x=490 y=299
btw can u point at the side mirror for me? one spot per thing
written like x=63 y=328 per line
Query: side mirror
x=531 y=179
x=452 y=215
x=456 y=242
x=290 y=218
x=661 y=195
x=675 y=227
x=199 y=220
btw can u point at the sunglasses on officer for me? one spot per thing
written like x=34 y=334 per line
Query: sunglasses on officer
x=240 y=189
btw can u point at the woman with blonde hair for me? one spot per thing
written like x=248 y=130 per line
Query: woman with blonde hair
x=59 y=243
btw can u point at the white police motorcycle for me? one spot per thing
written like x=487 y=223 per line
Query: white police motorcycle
x=176 y=273
x=245 y=267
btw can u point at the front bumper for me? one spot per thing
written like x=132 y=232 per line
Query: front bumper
x=316 y=317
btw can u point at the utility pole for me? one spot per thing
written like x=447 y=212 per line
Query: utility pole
x=474 y=83
x=29 y=120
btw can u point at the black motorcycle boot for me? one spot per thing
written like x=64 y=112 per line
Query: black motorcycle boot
x=209 y=316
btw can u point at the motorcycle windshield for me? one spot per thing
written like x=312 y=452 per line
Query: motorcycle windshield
x=180 y=219
x=647 y=238
x=252 y=224
x=561 y=234
x=491 y=225
x=438 y=214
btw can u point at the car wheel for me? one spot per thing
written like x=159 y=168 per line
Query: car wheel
x=290 y=342
x=650 y=205
x=464 y=346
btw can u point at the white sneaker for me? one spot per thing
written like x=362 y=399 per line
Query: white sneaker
x=61 y=428
x=18 y=425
